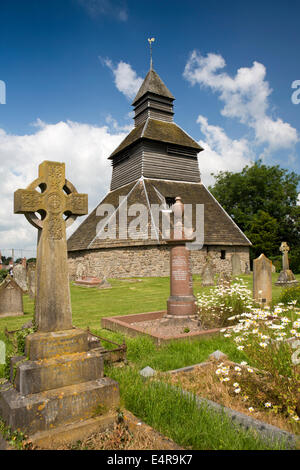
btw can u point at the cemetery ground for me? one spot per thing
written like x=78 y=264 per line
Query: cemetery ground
x=157 y=402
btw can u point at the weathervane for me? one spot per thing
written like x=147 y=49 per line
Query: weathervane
x=151 y=40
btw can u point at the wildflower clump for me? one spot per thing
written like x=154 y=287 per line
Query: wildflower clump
x=224 y=301
x=269 y=339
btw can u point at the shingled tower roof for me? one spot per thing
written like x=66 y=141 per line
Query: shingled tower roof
x=156 y=162
x=153 y=84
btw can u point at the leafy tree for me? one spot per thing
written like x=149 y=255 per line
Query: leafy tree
x=262 y=200
x=262 y=230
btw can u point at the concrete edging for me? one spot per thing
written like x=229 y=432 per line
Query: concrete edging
x=267 y=431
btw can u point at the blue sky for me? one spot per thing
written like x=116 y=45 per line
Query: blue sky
x=71 y=68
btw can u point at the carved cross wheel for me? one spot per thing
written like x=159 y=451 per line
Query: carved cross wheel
x=58 y=203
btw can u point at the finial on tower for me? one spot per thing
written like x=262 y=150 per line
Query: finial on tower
x=151 y=40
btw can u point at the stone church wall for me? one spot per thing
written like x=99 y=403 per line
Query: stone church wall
x=151 y=261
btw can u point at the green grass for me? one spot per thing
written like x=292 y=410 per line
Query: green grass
x=178 y=417
x=165 y=410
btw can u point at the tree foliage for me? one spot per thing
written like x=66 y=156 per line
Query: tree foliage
x=262 y=200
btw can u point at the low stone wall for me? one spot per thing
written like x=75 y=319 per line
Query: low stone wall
x=149 y=261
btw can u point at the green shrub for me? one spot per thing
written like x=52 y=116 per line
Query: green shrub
x=294 y=258
x=291 y=294
x=3 y=274
x=216 y=308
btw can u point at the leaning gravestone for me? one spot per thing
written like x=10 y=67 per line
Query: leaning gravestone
x=273 y=268
x=80 y=271
x=286 y=277
x=60 y=381
x=262 y=280
x=224 y=279
x=20 y=276
x=208 y=274
x=236 y=265
x=11 y=298
x=31 y=280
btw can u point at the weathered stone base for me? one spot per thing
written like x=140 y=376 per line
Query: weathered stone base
x=180 y=305
x=53 y=344
x=52 y=408
x=71 y=433
x=47 y=374
x=123 y=324
x=286 y=278
x=60 y=381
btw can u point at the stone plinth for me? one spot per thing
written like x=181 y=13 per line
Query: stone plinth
x=59 y=381
x=88 y=281
x=52 y=408
x=286 y=278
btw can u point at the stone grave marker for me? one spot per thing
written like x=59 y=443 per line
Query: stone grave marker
x=286 y=277
x=247 y=269
x=20 y=276
x=60 y=382
x=262 y=280
x=208 y=274
x=181 y=303
x=31 y=280
x=273 y=268
x=236 y=265
x=224 y=279
x=11 y=298
x=80 y=271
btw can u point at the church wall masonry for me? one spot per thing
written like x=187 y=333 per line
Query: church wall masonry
x=149 y=261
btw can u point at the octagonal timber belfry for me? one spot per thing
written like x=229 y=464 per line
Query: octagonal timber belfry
x=154 y=164
x=59 y=381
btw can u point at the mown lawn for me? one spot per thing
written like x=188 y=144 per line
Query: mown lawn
x=145 y=295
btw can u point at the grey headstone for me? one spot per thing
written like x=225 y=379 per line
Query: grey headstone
x=31 y=281
x=273 y=268
x=20 y=276
x=217 y=355
x=236 y=265
x=104 y=284
x=80 y=271
x=147 y=372
x=208 y=275
x=247 y=269
x=11 y=298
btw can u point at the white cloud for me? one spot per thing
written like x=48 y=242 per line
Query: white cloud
x=126 y=79
x=245 y=97
x=114 y=8
x=220 y=152
x=84 y=148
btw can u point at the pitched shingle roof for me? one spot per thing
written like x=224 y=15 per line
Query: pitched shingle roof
x=160 y=131
x=219 y=228
x=153 y=84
